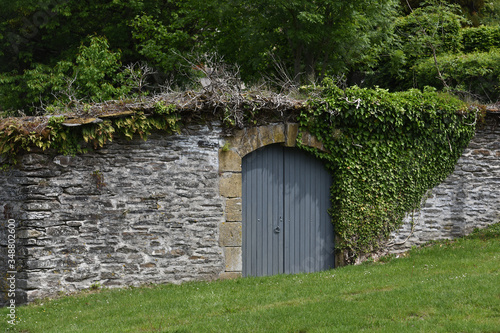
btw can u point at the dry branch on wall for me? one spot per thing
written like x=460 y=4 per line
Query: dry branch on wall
x=222 y=95
x=493 y=107
x=211 y=101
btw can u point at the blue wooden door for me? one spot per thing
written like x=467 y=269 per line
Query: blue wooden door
x=286 y=226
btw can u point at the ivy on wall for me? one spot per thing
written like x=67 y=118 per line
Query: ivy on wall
x=17 y=136
x=385 y=150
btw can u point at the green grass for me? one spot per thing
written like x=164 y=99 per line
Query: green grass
x=444 y=287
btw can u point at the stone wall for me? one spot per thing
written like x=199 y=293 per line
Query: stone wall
x=469 y=198
x=169 y=209
x=133 y=212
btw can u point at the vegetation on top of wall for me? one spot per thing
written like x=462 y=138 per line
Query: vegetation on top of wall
x=70 y=134
x=74 y=130
x=431 y=46
x=384 y=151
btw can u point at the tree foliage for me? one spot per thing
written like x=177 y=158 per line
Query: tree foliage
x=482 y=38
x=312 y=38
x=472 y=9
x=94 y=75
x=423 y=34
x=285 y=41
x=308 y=38
x=475 y=76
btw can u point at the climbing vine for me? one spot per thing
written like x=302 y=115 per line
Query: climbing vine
x=384 y=150
x=16 y=136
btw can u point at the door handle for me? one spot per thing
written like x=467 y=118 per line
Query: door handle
x=278 y=229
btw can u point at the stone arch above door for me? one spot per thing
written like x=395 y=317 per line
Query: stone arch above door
x=235 y=147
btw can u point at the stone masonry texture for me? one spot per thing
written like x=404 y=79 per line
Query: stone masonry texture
x=168 y=210
x=131 y=213
x=469 y=198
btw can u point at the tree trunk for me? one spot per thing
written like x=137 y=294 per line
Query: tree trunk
x=297 y=64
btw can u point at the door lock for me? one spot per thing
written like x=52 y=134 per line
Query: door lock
x=277 y=229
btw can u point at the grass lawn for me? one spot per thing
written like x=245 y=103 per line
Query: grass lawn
x=444 y=287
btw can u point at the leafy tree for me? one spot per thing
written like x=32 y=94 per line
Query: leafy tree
x=312 y=38
x=36 y=33
x=159 y=41
x=37 y=39
x=41 y=43
x=473 y=76
x=472 y=9
x=483 y=38
x=94 y=75
x=426 y=32
x=490 y=15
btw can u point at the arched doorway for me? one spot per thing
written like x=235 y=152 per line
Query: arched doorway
x=285 y=221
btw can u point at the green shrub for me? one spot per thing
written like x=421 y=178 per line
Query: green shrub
x=426 y=31
x=490 y=14
x=477 y=74
x=482 y=38
x=437 y=27
x=95 y=75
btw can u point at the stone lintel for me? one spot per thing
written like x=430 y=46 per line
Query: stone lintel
x=235 y=140
x=292 y=131
x=266 y=135
x=249 y=142
x=311 y=141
